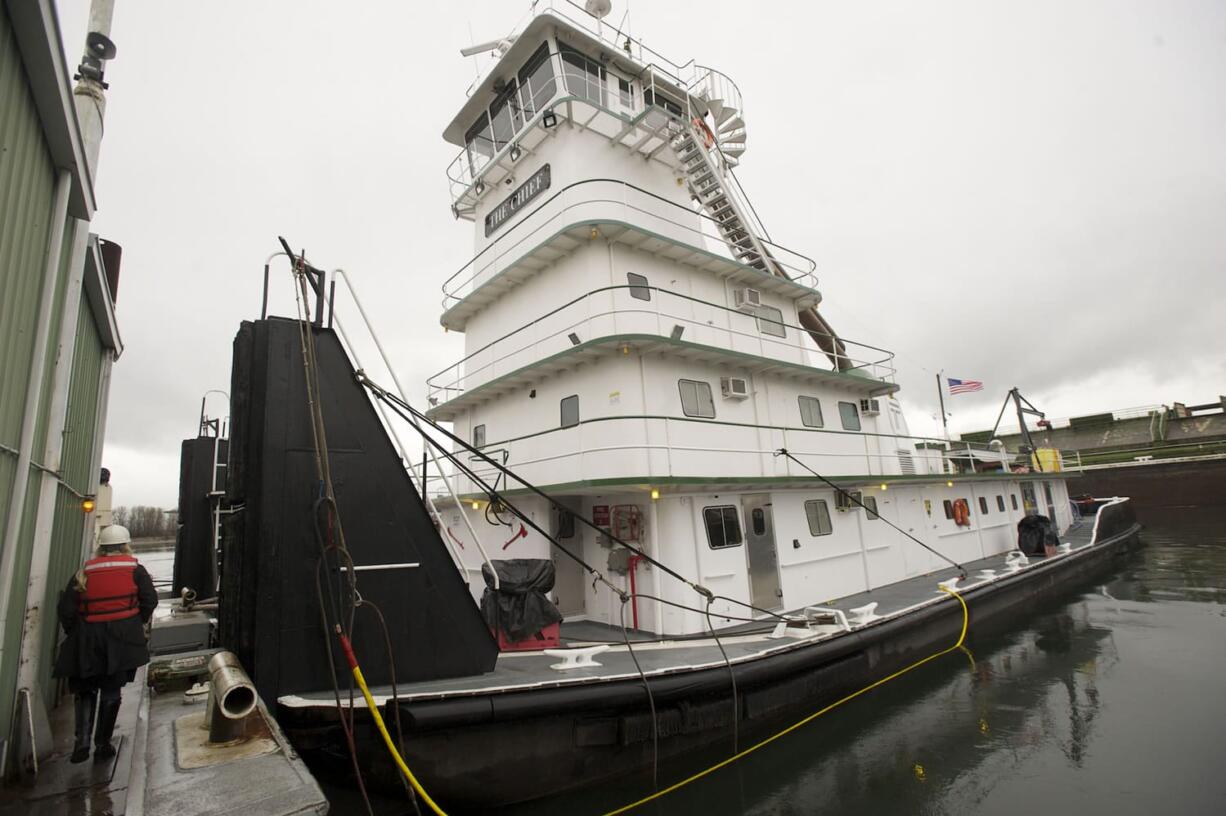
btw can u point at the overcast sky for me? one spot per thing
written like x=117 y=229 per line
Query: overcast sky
x=1024 y=193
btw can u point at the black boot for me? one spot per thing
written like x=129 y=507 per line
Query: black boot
x=83 y=708
x=108 y=712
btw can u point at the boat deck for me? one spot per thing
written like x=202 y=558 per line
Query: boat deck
x=523 y=671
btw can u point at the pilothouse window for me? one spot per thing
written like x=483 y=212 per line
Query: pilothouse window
x=639 y=288
x=479 y=141
x=849 y=412
x=585 y=77
x=536 y=83
x=506 y=118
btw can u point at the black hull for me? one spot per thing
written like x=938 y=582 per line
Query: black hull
x=497 y=749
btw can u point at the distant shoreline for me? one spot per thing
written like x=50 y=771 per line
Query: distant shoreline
x=144 y=544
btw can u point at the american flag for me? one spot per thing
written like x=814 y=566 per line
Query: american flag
x=963 y=386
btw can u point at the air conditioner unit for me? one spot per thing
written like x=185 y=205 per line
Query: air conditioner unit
x=870 y=407
x=747 y=300
x=734 y=387
x=842 y=501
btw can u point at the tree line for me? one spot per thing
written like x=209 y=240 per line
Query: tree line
x=146 y=522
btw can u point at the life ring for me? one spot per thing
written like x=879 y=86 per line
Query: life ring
x=962 y=513
x=708 y=138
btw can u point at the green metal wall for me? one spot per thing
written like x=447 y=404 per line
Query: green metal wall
x=27 y=191
x=76 y=471
x=27 y=185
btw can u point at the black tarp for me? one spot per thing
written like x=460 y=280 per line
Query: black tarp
x=519 y=607
x=1035 y=533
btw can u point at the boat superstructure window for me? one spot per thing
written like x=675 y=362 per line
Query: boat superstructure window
x=811 y=412
x=585 y=77
x=983 y=505
x=570 y=411
x=949 y=509
x=849 y=412
x=479 y=141
x=625 y=93
x=818 y=514
x=723 y=526
x=662 y=101
x=1000 y=503
x=696 y=399
x=566 y=524
x=770 y=321
x=758 y=519
x=1013 y=500
x=536 y=82
x=506 y=117
x=478 y=436
x=870 y=506
x=638 y=286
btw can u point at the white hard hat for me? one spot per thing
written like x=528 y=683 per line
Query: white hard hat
x=114 y=536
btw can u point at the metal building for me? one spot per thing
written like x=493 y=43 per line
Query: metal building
x=58 y=341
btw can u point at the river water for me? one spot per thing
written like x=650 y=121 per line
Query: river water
x=1109 y=700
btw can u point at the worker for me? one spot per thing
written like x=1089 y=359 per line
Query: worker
x=103 y=611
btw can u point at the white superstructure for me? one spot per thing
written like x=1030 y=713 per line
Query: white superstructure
x=637 y=347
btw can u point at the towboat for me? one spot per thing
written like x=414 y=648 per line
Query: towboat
x=723 y=518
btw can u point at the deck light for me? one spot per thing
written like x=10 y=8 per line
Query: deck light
x=885 y=486
x=949 y=484
x=476 y=504
x=678 y=330
x=479 y=187
x=625 y=349
x=87 y=505
x=655 y=494
x=574 y=339
x=595 y=233
x=515 y=153
x=549 y=119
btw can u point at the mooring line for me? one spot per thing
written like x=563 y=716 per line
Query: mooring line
x=806 y=720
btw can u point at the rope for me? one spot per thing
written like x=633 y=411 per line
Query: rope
x=942 y=556
x=378 y=718
x=806 y=720
x=651 y=702
x=396 y=403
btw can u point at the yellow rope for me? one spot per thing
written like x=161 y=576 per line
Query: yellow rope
x=806 y=720
x=391 y=746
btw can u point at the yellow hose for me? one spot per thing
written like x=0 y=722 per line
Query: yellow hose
x=806 y=720
x=391 y=746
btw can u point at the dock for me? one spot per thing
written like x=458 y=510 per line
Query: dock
x=164 y=765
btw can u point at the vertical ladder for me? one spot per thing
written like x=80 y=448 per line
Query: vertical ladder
x=705 y=166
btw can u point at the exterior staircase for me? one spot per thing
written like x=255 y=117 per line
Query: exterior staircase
x=707 y=150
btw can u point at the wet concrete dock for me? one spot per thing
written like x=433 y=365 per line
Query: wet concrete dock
x=164 y=765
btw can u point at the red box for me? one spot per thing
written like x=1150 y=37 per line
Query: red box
x=547 y=638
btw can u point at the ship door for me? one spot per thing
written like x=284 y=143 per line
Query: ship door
x=760 y=553
x=1029 y=504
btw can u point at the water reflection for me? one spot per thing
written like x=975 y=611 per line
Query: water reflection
x=1103 y=701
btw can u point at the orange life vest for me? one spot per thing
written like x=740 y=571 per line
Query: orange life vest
x=110 y=589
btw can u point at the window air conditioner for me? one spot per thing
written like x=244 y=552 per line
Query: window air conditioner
x=734 y=387
x=747 y=300
x=870 y=407
x=842 y=501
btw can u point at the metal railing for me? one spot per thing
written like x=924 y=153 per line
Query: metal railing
x=612 y=200
x=835 y=453
x=601 y=313
x=577 y=80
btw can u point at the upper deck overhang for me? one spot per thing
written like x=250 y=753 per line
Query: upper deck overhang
x=612 y=345
x=572 y=236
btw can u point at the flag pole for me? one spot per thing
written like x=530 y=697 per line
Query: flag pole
x=941 y=397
